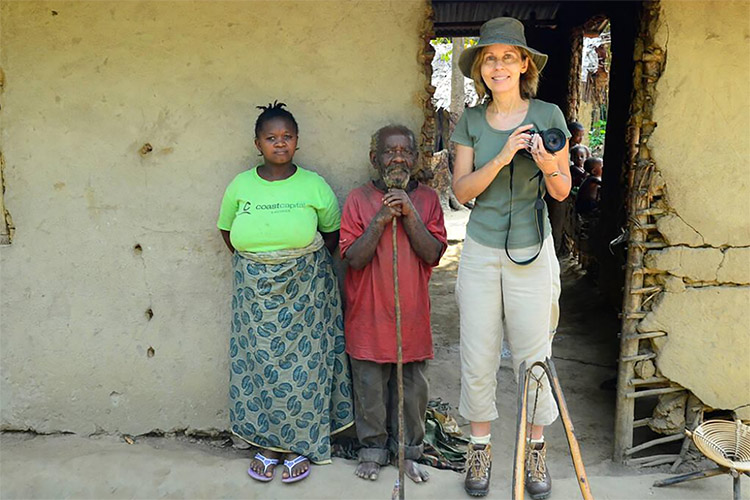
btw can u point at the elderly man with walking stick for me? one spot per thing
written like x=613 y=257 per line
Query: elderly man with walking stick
x=393 y=204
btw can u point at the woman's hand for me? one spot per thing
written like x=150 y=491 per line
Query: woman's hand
x=469 y=182
x=517 y=140
x=546 y=161
x=555 y=167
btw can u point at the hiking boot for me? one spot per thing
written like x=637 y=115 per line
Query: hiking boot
x=538 y=481
x=478 y=468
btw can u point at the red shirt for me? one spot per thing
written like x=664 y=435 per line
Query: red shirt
x=370 y=319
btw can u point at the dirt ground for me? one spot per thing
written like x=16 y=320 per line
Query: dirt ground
x=585 y=354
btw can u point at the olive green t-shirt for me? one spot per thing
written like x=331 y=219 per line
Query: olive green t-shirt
x=488 y=223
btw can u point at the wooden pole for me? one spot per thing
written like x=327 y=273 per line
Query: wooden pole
x=519 y=464
x=575 y=450
x=625 y=406
x=639 y=164
x=399 y=364
x=458 y=94
x=691 y=476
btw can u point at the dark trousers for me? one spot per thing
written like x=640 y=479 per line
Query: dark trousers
x=376 y=409
x=556 y=211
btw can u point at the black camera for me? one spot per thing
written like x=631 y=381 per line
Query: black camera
x=553 y=139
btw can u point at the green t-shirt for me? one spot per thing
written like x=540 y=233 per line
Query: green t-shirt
x=488 y=223
x=264 y=216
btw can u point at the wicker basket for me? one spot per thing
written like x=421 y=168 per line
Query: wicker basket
x=725 y=442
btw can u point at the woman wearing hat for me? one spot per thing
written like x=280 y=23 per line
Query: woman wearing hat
x=508 y=279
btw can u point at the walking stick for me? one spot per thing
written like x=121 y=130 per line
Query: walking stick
x=399 y=487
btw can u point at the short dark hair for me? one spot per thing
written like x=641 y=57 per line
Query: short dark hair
x=577 y=147
x=588 y=165
x=376 y=141
x=274 y=110
x=573 y=126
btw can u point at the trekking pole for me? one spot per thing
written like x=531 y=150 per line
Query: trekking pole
x=399 y=487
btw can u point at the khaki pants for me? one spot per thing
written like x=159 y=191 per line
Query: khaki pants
x=376 y=409
x=498 y=298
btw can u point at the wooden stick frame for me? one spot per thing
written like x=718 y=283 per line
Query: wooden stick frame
x=519 y=460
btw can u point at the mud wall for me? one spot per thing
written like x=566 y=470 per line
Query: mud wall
x=706 y=262
x=122 y=124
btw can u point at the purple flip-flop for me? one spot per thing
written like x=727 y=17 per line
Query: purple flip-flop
x=267 y=462
x=290 y=464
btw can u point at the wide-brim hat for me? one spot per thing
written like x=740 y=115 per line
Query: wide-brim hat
x=505 y=30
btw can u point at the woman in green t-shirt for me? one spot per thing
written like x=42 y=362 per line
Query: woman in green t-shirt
x=508 y=280
x=289 y=379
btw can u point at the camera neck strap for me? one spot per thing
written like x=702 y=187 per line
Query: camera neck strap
x=538 y=216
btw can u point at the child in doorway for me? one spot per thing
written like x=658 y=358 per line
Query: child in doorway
x=576 y=134
x=578 y=155
x=588 y=196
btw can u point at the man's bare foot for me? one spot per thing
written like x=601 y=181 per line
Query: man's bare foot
x=367 y=470
x=298 y=469
x=415 y=472
x=259 y=467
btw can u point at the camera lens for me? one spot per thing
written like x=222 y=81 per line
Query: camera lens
x=553 y=139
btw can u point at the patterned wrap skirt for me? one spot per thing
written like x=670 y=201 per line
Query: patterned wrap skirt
x=290 y=383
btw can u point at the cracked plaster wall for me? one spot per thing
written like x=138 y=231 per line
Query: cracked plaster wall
x=701 y=144
x=701 y=148
x=101 y=335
